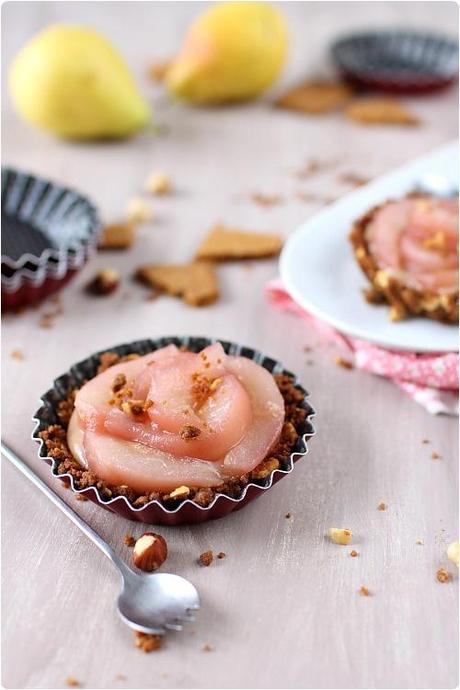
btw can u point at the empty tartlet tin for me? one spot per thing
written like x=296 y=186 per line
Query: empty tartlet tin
x=397 y=61
x=155 y=513
x=48 y=232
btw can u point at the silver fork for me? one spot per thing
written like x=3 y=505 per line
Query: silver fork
x=148 y=602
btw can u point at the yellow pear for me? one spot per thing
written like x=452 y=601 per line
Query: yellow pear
x=72 y=82
x=232 y=52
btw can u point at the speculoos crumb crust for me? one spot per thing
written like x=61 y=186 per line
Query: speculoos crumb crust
x=55 y=440
x=403 y=300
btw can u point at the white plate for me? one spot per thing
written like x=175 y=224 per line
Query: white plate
x=320 y=272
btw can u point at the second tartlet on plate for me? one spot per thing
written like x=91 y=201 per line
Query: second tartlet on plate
x=408 y=249
x=177 y=430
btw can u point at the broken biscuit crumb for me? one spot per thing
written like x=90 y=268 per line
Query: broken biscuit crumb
x=81 y=497
x=344 y=363
x=129 y=540
x=266 y=200
x=117 y=236
x=158 y=71
x=17 y=354
x=287 y=516
x=104 y=282
x=377 y=111
x=181 y=492
x=443 y=575
x=364 y=591
x=316 y=97
x=382 y=506
x=419 y=542
x=206 y=558
x=221 y=554
x=435 y=456
x=425 y=440
x=72 y=682
x=207 y=648
x=147 y=642
x=340 y=535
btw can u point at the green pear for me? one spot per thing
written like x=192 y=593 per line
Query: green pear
x=71 y=81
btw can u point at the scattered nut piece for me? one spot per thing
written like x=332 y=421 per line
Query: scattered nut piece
x=206 y=558
x=397 y=312
x=17 y=354
x=189 y=432
x=158 y=183
x=435 y=456
x=354 y=553
x=340 y=535
x=147 y=642
x=221 y=554
x=81 y=497
x=150 y=552
x=344 y=363
x=72 y=682
x=135 y=408
x=138 y=211
x=453 y=552
x=129 y=540
x=354 y=179
x=207 y=648
x=419 y=542
x=382 y=506
x=180 y=492
x=443 y=576
x=104 y=283
x=425 y=440
x=287 y=516
x=364 y=591
x=117 y=236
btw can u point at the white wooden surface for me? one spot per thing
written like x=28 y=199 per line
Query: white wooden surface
x=282 y=610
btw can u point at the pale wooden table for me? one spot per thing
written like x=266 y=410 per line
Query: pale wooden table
x=282 y=610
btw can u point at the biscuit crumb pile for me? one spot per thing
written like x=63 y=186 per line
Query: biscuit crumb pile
x=146 y=642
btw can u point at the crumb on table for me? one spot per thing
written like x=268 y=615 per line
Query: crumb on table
x=147 y=642
x=443 y=575
x=221 y=554
x=207 y=648
x=364 y=591
x=72 y=682
x=435 y=455
x=206 y=558
x=354 y=553
x=344 y=363
x=129 y=540
x=382 y=506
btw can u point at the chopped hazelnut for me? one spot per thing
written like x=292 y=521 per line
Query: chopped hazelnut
x=104 y=283
x=207 y=648
x=147 y=642
x=453 y=552
x=340 y=535
x=189 y=432
x=81 y=497
x=221 y=554
x=158 y=183
x=435 y=455
x=138 y=211
x=287 y=516
x=150 y=552
x=206 y=558
x=180 y=492
x=129 y=540
x=443 y=576
x=118 y=383
x=72 y=682
x=354 y=553
x=382 y=506
x=135 y=408
x=364 y=591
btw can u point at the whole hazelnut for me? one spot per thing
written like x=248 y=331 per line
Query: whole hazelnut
x=150 y=552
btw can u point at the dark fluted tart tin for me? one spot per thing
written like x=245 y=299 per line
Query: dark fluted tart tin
x=397 y=61
x=48 y=232
x=155 y=513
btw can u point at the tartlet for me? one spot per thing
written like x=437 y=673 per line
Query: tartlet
x=184 y=504
x=408 y=249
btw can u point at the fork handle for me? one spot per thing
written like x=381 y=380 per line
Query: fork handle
x=62 y=505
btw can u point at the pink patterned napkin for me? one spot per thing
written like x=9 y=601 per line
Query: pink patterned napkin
x=431 y=380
